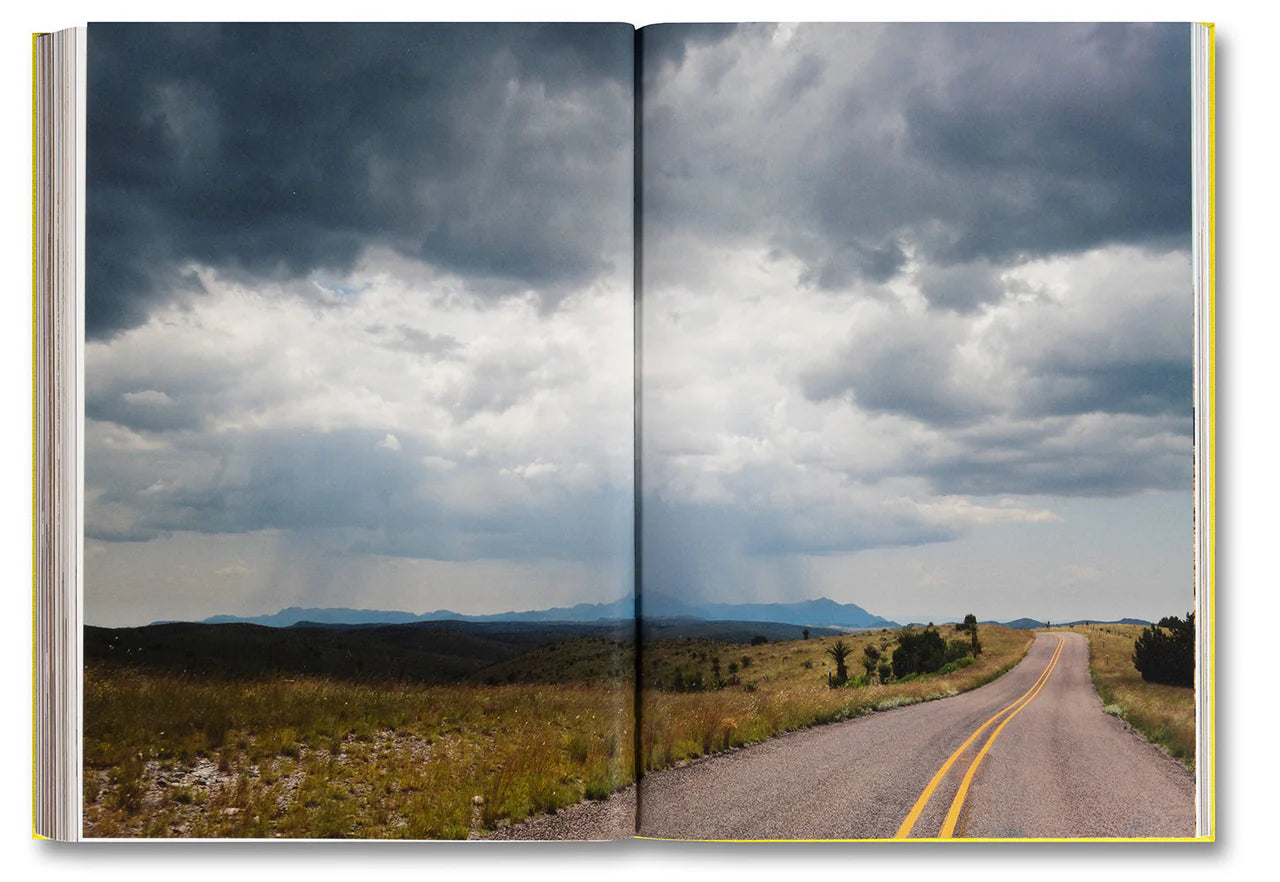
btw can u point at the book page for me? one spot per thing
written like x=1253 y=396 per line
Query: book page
x=358 y=531
x=917 y=432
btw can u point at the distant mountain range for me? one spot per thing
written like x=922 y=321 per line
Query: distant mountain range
x=1033 y=623
x=819 y=613
x=294 y=615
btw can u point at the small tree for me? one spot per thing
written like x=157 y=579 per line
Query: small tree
x=971 y=625
x=1166 y=652
x=839 y=652
x=806 y=633
x=870 y=658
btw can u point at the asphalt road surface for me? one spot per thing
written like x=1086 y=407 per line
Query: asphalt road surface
x=1029 y=755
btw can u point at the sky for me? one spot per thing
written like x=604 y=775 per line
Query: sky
x=359 y=318
x=917 y=317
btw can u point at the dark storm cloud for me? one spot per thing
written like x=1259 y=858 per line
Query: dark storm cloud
x=952 y=144
x=1102 y=455
x=906 y=368
x=1076 y=137
x=667 y=44
x=347 y=485
x=500 y=152
x=168 y=392
x=919 y=375
x=1115 y=339
x=1147 y=387
x=961 y=288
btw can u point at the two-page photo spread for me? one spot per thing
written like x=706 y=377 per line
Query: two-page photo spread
x=706 y=431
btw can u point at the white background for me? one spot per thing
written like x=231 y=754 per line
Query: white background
x=1248 y=43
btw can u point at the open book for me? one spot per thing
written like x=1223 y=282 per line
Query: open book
x=568 y=431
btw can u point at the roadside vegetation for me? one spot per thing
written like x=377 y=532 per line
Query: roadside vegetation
x=192 y=755
x=1162 y=712
x=1166 y=651
x=700 y=697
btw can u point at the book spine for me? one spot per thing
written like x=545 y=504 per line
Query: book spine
x=58 y=194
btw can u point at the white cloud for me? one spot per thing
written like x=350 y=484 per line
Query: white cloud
x=408 y=419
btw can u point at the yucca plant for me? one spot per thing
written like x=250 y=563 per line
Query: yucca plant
x=839 y=652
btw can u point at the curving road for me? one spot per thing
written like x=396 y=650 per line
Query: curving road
x=1057 y=766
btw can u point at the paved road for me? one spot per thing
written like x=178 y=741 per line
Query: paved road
x=1057 y=767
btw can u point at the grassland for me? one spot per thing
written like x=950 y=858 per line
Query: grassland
x=181 y=754
x=1165 y=714
x=782 y=687
x=175 y=755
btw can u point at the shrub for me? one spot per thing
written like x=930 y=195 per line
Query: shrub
x=919 y=653
x=963 y=662
x=1166 y=652
x=690 y=683
x=870 y=658
x=759 y=639
x=970 y=624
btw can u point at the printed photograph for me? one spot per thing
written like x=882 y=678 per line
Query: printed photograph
x=359 y=520
x=717 y=432
x=917 y=382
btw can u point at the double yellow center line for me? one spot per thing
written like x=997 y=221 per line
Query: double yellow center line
x=957 y=804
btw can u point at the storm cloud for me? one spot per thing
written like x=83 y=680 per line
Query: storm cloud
x=855 y=147
x=497 y=152
x=916 y=316
x=368 y=496
x=908 y=288
x=358 y=317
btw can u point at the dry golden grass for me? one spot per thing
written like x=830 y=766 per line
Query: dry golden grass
x=1165 y=714
x=783 y=687
x=175 y=755
x=169 y=755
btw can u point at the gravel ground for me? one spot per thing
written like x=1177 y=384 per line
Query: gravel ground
x=612 y=818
